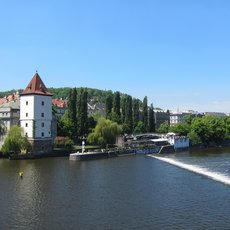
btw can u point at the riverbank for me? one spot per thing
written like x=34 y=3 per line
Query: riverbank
x=58 y=152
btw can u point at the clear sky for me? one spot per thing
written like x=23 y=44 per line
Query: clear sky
x=175 y=52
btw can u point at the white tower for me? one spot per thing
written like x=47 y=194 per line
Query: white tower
x=36 y=115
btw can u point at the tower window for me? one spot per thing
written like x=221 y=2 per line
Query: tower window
x=42 y=134
x=26 y=124
x=43 y=124
x=26 y=102
x=43 y=103
x=42 y=114
x=26 y=114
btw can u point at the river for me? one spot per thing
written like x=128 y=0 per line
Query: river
x=137 y=192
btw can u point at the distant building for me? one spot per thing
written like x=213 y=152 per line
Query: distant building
x=60 y=106
x=9 y=98
x=36 y=115
x=96 y=108
x=9 y=115
x=177 y=117
x=216 y=114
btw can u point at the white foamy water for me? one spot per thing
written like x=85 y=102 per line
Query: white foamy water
x=196 y=169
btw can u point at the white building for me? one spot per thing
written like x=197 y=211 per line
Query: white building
x=179 y=142
x=36 y=115
x=177 y=117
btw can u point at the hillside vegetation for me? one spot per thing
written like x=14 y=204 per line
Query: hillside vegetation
x=94 y=95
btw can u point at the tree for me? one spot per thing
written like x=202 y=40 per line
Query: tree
x=68 y=124
x=227 y=125
x=63 y=142
x=15 y=142
x=145 y=113
x=181 y=128
x=83 y=113
x=139 y=128
x=188 y=118
x=136 y=111
x=117 y=104
x=123 y=107
x=151 y=119
x=164 y=127
x=65 y=126
x=74 y=113
x=104 y=133
x=91 y=124
x=128 y=123
x=109 y=103
x=114 y=117
x=194 y=139
x=209 y=129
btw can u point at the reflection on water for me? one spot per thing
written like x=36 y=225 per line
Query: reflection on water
x=120 y=193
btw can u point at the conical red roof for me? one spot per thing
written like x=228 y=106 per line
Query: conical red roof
x=36 y=86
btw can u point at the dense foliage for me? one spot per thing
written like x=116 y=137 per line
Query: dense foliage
x=206 y=130
x=82 y=114
x=65 y=142
x=75 y=121
x=104 y=133
x=145 y=113
x=164 y=127
x=210 y=129
x=94 y=95
x=151 y=120
x=15 y=142
x=133 y=114
x=181 y=129
x=9 y=92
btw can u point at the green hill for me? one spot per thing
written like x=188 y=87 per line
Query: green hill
x=94 y=95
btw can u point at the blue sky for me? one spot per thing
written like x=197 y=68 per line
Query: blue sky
x=177 y=53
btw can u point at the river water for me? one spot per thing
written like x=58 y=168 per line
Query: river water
x=137 y=192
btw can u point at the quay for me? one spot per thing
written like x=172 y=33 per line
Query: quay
x=92 y=155
x=116 y=153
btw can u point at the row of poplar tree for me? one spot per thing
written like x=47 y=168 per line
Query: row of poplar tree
x=134 y=115
x=75 y=121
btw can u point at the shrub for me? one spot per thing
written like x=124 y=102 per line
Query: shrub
x=63 y=142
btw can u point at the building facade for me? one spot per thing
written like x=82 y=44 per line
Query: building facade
x=60 y=106
x=9 y=116
x=177 y=118
x=36 y=115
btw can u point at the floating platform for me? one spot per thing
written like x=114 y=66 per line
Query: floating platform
x=91 y=155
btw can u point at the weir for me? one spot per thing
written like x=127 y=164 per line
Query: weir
x=196 y=169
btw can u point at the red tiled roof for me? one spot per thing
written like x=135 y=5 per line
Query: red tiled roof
x=10 y=97
x=59 y=103
x=36 y=86
x=3 y=100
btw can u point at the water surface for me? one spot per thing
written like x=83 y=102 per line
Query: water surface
x=120 y=193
